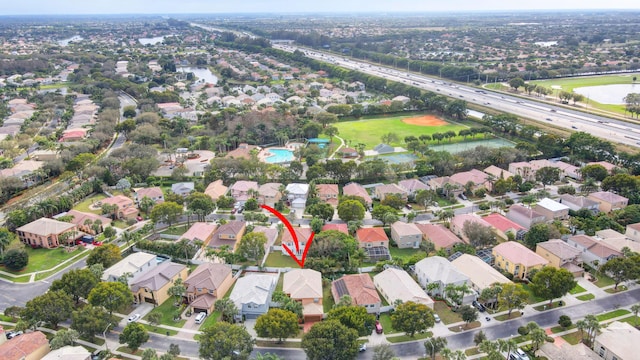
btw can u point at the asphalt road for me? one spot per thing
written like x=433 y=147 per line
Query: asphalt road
x=612 y=130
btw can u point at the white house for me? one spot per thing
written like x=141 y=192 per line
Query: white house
x=252 y=294
x=395 y=284
x=297 y=195
x=440 y=271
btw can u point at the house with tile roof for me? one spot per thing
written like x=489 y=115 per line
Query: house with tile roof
x=458 y=221
x=497 y=173
x=152 y=286
x=183 y=188
x=561 y=255
x=216 y=189
x=328 y=193
x=439 y=236
x=130 y=266
x=593 y=251
x=475 y=176
x=608 y=201
x=243 y=151
x=302 y=234
x=381 y=191
x=28 y=346
x=47 y=233
x=605 y=164
x=206 y=284
x=343 y=228
x=375 y=242
x=440 y=272
x=355 y=189
x=552 y=210
x=481 y=274
x=68 y=353
x=269 y=194
x=228 y=234
x=616 y=240
x=524 y=216
x=270 y=233
x=396 y=284
x=406 y=235
x=252 y=294
x=619 y=340
x=412 y=186
x=85 y=220
x=153 y=193
x=305 y=286
x=517 y=259
x=502 y=226
x=242 y=190
x=360 y=288
x=633 y=232
x=200 y=231
x=576 y=203
x=126 y=207
x=297 y=195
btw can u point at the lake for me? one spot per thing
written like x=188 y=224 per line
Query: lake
x=65 y=42
x=151 y=41
x=203 y=74
x=608 y=94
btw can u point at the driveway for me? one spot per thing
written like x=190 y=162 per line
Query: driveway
x=142 y=309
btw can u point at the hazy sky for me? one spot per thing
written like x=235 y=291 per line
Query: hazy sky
x=14 y=7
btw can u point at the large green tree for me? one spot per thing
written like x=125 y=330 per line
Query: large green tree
x=321 y=210
x=107 y=255
x=622 y=269
x=330 y=340
x=251 y=246
x=223 y=341
x=551 y=283
x=350 y=210
x=16 y=259
x=91 y=320
x=77 y=283
x=64 y=338
x=277 y=324
x=167 y=212
x=51 y=308
x=201 y=204
x=548 y=175
x=469 y=314
x=111 y=295
x=134 y=335
x=512 y=296
x=411 y=317
x=354 y=317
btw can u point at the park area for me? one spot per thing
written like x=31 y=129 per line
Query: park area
x=370 y=131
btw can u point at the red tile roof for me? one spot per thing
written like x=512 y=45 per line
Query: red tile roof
x=371 y=235
x=502 y=223
x=22 y=346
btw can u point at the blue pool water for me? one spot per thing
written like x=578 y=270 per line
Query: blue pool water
x=279 y=156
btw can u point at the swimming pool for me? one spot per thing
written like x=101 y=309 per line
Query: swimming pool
x=279 y=156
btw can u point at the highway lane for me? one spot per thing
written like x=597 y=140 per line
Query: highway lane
x=612 y=130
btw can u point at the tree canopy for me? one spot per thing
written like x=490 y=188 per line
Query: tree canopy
x=329 y=339
x=412 y=317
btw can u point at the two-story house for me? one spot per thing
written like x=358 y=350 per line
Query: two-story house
x=406 y=235
x=552 y=210
x=305 y=286
x=435 y=273
x=328 y=193
x=503 y=226
x=381 y=191
x=561 y=255
x=375 y=243
x=152 y=286
x=242 y=190
x=153 y=193
x=412 y=186
x=269 y=194
x=302 y=234
x=458 y=221
x=252 y=294
x=297 y=195
x=206 y=284
x=576 y=203
x=355 y=189
x=608 y=201
x=360 y=288
x=516 y=259
x=47 y=233
x=633 y=232
x=228 y=234
x=617 y=341
x=524 y=216
x=216 y=189
x=124 y=209
x=130 y=266
x=200 y=231
x=439 y=236
x=594 y=253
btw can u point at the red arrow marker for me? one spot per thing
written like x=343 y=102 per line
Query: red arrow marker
x=293 y=235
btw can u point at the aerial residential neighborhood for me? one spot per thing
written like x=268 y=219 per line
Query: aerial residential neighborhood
x=218 y=182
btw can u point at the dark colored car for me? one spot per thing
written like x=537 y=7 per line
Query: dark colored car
x=479 y=306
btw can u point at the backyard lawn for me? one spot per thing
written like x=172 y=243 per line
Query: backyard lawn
x=176 y=230
x=84 y=205
x=403 y=253
x=370 y=131
x=327 y=298
x=167 y=310
x=446 y=315
x=276 y=259
x=44 y=259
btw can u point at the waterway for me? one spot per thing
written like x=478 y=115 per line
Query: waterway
x=65 y=42
x=151 y=41
x=203 y=74
x=608 y=94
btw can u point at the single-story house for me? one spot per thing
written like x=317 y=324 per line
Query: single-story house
x=183 y=188
x=516 y=259
x=152 y=286
x=130 y=266
x=85 y=220
x=552 y=210
x=68 y=353
x=207 y=283
x=252 y=294
x=406 y=235
x=438 y=270
x=478 y=178
x=343 y=228
x=360 y=288
x=216 y=189
x=524 y=216
x=497 y=172
x=412 y=186
x=242 y=190
x=396 y=284
x=439 y=235
x=153 y=193
x=381 y=191
x=608 y=201
x=383 y=149
x=617 y=241
x=305 y=286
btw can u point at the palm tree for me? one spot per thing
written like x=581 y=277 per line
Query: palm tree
x=635 y=309
x=448 y=354
x=581 y=325
x=590 y=185
x=445 y=216
x=507 y=345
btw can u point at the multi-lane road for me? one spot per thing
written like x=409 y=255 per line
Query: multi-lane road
x=612 y=130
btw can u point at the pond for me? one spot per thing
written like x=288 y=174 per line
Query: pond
x=203 y=74
x=65 y=42
x=151 y=41
x=608 y=94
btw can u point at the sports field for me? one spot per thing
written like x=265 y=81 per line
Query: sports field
x=370 y=131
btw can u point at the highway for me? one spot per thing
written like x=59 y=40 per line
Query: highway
x=614 y=131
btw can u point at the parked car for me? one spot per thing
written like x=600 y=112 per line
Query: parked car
x=98 y=355
x=139 y=218
x=408 y=206
x=479 y=306
x=363 y=347
x=133 y=318
x=436 y=317
x=97 y=243
x=379 y=329
x=521 y=354
x=462 y=196
x=12 y=334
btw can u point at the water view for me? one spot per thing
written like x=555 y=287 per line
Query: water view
x=151 y=41
x=65 y=42
x=279 y=156
x=608 y=94
x=203 y=74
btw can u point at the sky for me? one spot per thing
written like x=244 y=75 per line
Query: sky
x=62 y=7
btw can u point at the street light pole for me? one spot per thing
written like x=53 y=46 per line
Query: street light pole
x=104 y=335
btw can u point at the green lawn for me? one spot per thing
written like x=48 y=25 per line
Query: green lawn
x=176 y=230
x=446 y=315
x=276 y=259
x=370 y=131
x=273 y=343
x=546 y=306
x=615 y=291
x=577 y=290
x=402 y=253
x=514 y=315
x=327 y=298
x=472 y=325
x=632 y=320
x=84 y=205
x=572 y=338
x=557 y=329
x=603 y=280
x=385 y=321
x=586 y=297
x=44 y=259
x=532 y=298
x=167 y=310
x=160 y=330
x=612 y=314
x=404 y=338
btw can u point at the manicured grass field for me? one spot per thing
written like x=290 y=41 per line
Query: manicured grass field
x=84 y=205
x=276 y=259
x=557 y=329
x=369 y=132
x=44 y=259
x=586 y=297
x=612 y=314
x=577 y=290
x=167 y=310
x=327 y=297
x=572 y=338
x=385 y=321
x=402 y=253
x=404 y=338
x=446 y=315
x=514 y=315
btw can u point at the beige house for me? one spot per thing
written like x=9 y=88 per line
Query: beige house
x=269 y=194
x=207 y=283
x=29 y=346
x=84 y=221
x=481 y=274
x=476 y=177
x=152 y=286
x=305 y=286
x=516 y=259
x=200 y=231
x=382 y=191
x=439 y=236
x=561 y=255
x=47 y=233
x=633 y=232
x=406 y=235
x=242 y=190
x=360 y=288
x=618 y=341
x=328 y=193
x=355 y=189
x=458 y=221
x=395 y=284
x=552 y=210
x=216 y=189
x=228 y=234
x=608 y=201
x=126 y=208
x=497 y=173
x=153 y=193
